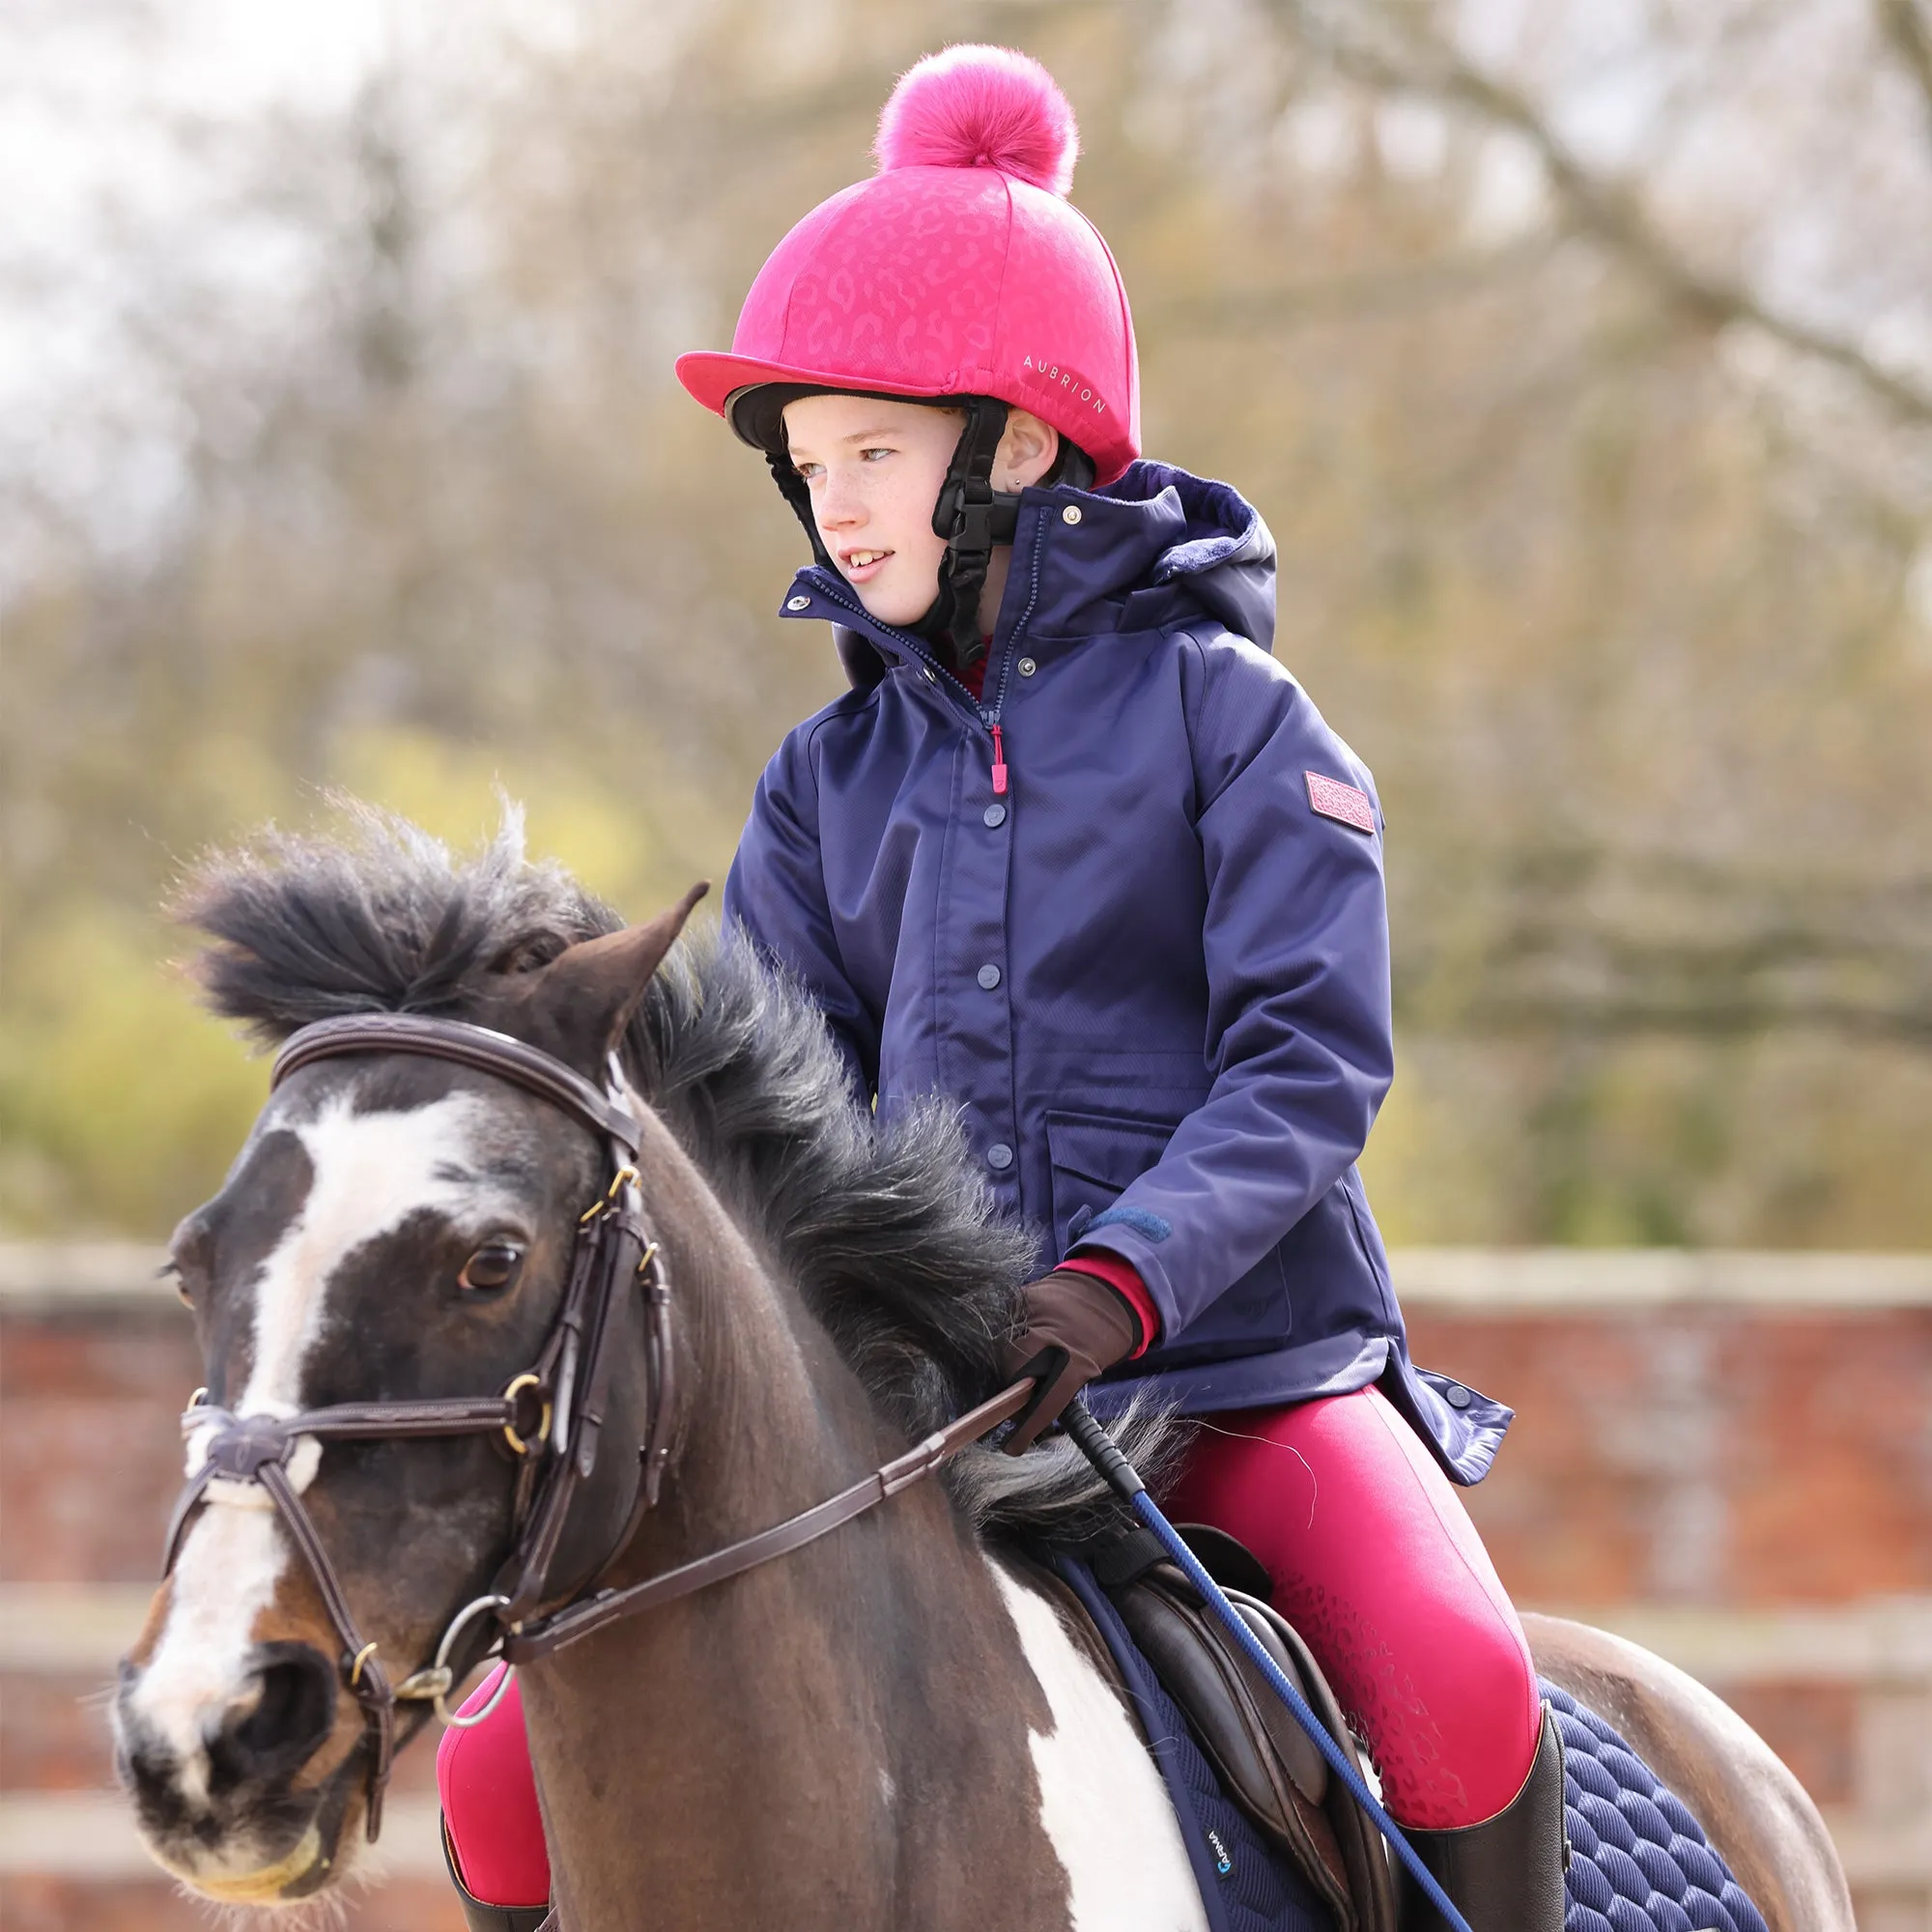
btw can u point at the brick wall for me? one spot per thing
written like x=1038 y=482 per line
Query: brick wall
x=1747 y=1455
x=96 y=1364
x=1730 y=1460
x=1727 y=1457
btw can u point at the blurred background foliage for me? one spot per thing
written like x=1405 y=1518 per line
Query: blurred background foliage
x=1580 y=355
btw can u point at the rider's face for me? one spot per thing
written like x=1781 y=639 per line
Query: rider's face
x=875 y=467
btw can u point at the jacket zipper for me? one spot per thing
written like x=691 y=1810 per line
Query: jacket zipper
x=988 y=719
x=992 y=717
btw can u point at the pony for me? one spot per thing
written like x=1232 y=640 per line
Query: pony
x=903 y=1722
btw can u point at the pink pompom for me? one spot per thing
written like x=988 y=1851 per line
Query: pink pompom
x=981 y=107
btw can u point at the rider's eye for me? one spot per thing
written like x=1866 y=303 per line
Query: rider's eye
x=492 y=1268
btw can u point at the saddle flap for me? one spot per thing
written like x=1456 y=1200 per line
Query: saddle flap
x=1269 y=1768
x=1371 y=1882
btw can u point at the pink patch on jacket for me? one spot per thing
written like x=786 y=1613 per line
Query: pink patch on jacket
x=1332 y=799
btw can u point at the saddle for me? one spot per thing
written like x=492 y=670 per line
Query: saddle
x=1265 y=1762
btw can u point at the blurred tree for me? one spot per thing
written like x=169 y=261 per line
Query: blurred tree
x=1580 y=365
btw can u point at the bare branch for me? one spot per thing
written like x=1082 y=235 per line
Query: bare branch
x=1614 y=215
x=1905 y=26
x=1401 y=289
x=1420 y=62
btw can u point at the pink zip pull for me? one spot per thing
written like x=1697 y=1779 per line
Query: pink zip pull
x=999 y=766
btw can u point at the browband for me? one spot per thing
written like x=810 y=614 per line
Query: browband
x=482 y=1049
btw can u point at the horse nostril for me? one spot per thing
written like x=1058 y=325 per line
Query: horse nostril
x=291 y=1714
x=148 y=1770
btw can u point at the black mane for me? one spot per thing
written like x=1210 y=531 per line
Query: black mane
x=888 y=1233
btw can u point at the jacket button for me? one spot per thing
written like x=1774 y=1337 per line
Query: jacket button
x=1072 y=514
x=989 y=976
x=999 y=1156
x=995 y=814
x=1026 y=666
x=798 y=603
x=1457 y=1396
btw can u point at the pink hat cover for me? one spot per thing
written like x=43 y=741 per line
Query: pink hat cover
x=958 y=269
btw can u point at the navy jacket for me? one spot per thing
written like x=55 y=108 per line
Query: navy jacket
x=1153 y=972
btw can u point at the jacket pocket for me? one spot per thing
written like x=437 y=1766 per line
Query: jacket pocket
x=1095 y=1157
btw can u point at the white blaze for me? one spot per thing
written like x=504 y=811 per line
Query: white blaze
x=370 y=1173
x=1101 y=1799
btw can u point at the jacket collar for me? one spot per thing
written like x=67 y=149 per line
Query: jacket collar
x=1154 y=550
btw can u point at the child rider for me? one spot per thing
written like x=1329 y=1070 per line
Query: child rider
x=1077 y=852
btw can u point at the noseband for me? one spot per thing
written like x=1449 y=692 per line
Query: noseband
x=551 y=1414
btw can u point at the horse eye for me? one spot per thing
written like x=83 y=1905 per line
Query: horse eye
x=189 y=1257
x=492 y=1268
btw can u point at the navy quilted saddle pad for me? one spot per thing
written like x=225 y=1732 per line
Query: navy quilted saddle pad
x=1640 y=1862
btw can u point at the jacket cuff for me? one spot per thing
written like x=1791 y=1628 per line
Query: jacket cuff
x=1125 y=1279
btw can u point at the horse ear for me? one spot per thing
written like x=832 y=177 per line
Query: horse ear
x=577 y=1006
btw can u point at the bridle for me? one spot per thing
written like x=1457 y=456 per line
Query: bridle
x=552 y=1414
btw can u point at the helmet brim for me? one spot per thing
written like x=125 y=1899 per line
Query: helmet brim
x=719 y=382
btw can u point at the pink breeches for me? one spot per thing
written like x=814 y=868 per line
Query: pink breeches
x=1373 y=1560
x=1377 y=1564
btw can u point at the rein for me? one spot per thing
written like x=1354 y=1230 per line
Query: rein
x=578 y=1620
x=551 y=1416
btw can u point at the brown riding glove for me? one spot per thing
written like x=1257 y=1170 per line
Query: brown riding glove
x=1076 y=1326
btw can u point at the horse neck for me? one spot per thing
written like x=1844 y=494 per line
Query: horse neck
x=769 y=1413
x=674 y=1752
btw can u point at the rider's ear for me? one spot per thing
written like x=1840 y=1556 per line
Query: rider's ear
x=1027 y=449
x=577 y=1006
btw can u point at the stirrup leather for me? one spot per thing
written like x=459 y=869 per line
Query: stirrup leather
x=1265 y=1762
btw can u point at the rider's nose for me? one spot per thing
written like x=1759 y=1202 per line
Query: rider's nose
x=280 y=1721
x=840 y=505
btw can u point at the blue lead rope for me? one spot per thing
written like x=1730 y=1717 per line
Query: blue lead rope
x=1104 y=1453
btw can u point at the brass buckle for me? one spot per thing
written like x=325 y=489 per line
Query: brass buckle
x=520 y=1444
x=625 y=1176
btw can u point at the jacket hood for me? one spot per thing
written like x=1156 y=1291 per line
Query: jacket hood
x=1201 y=542
x=1155 y=550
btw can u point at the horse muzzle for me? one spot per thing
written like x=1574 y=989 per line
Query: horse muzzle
x=227 y=1794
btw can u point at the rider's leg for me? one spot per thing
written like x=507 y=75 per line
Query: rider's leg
x=1376 y=1563
x=493 y=1830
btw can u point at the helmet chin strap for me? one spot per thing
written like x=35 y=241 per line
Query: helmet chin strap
x=969 y=513
x=972 y=516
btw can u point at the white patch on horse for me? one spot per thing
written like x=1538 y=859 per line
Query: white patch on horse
x=1101 y=1799
x=224 y=1579
x=370 y=1173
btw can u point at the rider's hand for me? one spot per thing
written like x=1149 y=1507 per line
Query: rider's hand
x=1076 y=1326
